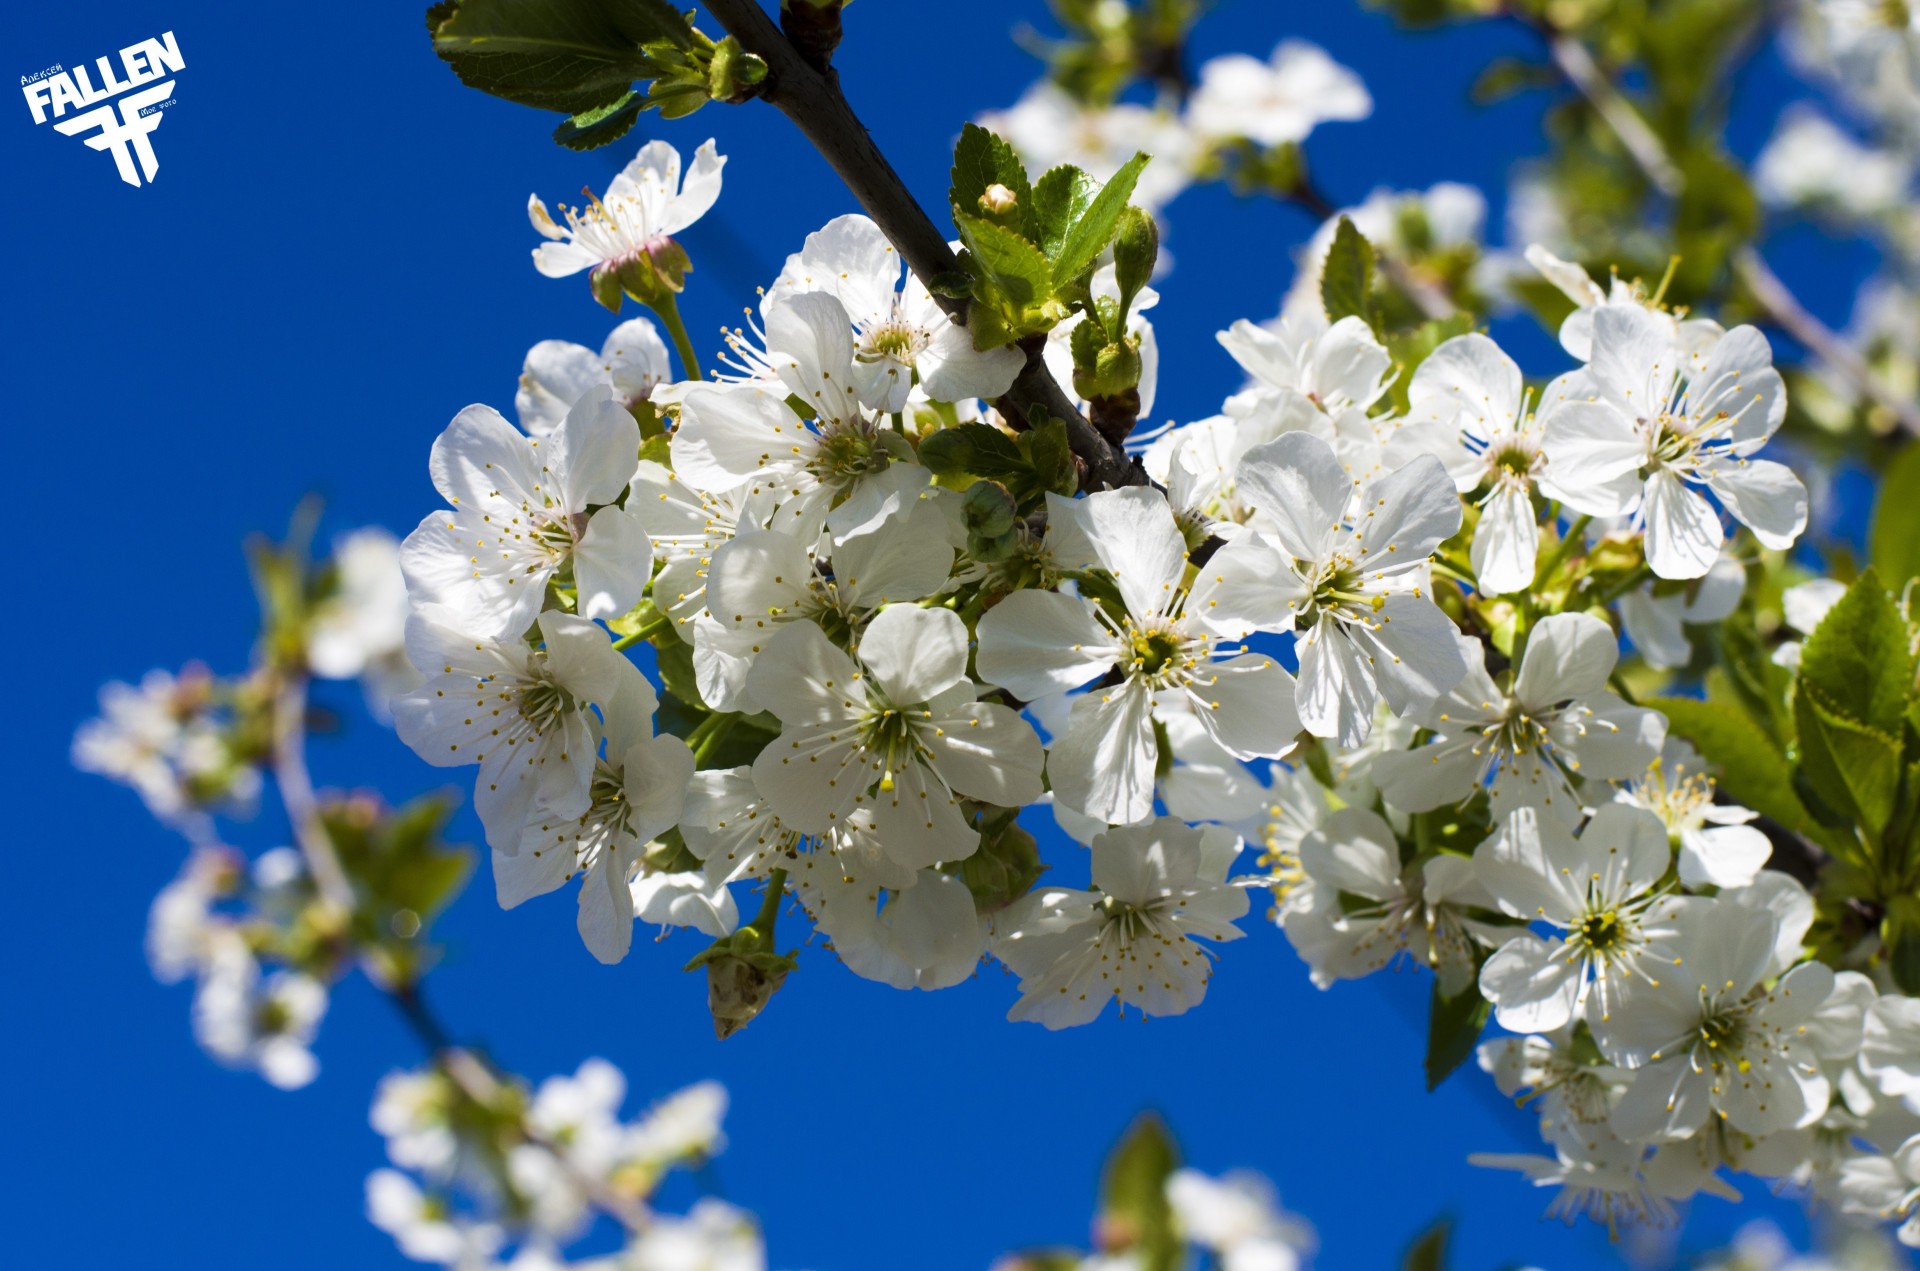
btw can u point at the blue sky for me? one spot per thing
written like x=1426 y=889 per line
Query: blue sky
x=333 y=260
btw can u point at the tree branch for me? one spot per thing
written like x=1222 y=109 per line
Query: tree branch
x=819 y=109
x=1817 y=338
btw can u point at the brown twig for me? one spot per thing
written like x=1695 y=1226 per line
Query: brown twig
x=819 y=109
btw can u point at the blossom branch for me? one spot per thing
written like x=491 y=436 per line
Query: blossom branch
x=1773 y=296
x=815 y=104
x=478 y=1081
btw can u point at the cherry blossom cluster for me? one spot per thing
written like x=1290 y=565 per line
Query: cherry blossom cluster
x=1238 y=106
x=475 y=1182
x=1398 y=582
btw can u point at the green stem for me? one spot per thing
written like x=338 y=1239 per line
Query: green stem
x=1624 y=586
x=663 y=623
x=1447 y=568
x=1576 y=533
x=717 y=727
x=763 y=922
x=669 y=311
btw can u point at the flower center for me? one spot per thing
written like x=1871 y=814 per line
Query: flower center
x=894 y=340
x=1335 y=590
x=1602 y=933
x=544 y=702
x=849 y=449
x=1724 y=1031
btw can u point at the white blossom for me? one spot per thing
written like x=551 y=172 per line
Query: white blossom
x=1710 y=1038
x=900 y=336
x=558 y=373
x=1680 y=421
x=1556 y=722
x=520 y=713
x=898 y=734
x=644 y=206
x=1159 y=888
x=1165 y=646
x=1277 y=101
x=1355 y=580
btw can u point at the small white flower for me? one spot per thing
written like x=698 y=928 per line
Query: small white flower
x=899 y=336
x=266 y=1023
x=1468 y=408
x=644 y=206
x=1709 y=1038
x=1603 y=893
x=1556 y=722
x=182 y=929
x=1355 y=582
x=1718 y=847
x=1238 y=1217
x=712 y=1236
x=1695 y=336
x=927 y=936
x=898 y=735
x=732 y=435
x=521 y=515
x=1656 y=615
x=1886 y=1188
x=522 y=714
x=1362 y=909
x=1165 y=647
x=763 y=579
x=686 y=526
x=557 y=374
x=422 y=1226
x=1805 y=605
x=1677 y=420
x=684 y=1126
x=1048 y=127
x=1890 y=1048
x=1811 y=162
x=635 y=793
x=360 y=630
x=1159 y=889
x=1277 y=101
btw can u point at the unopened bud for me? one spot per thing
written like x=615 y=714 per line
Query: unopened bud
x=998 y=201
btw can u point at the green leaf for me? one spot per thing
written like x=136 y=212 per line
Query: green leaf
x=979 y=450
x=981 y=159
x=573 y=56
x=1060 y=197
x=1346 y=279
x=1090 y=232
x=1051 y=454
x=1852 y=767
x=592 y=129
x=1752 y=770
x=1134 y=1212
x=1410 y=348
x=1453 y=1026
x=1014 y=267
x=1893 y=544
x=1857 y=660
x=1429 y=1252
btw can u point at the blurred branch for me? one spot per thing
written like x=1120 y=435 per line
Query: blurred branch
x=1773 y=296
x=463 y=1067
x=815 y=104
x=1817 y=338
x=479 y=1082
x=296 y=791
